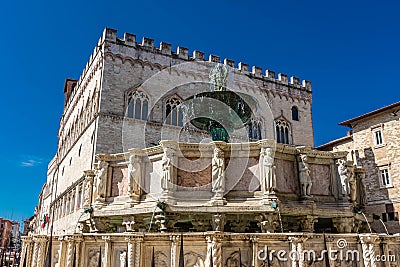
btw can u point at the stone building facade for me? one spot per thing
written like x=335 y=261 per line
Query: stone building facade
x=373 y=144
x=131 y=172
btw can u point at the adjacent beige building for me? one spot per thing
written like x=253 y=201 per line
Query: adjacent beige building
x=374 y=144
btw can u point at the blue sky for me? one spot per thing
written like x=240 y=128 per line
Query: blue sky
x=348 y=49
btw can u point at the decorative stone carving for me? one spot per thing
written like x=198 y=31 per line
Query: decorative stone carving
x=193 y=259
x=174 y=240
x=214 y=251
x=218 y=76
x=129 y=223
x=218 y=164
x=70 y=251
x=268 y=222
x=122 y=258
x=267 y=171
x=352 y=186
x=101 y=180
x=218 y=221
x=305 y=179
x=307 y=223
x=201 y=223
x=135 y=176
x=166 y=170
x=89 y=175
x=218 y=174
x=344 y=176
x=361 y=189
x=344 y=225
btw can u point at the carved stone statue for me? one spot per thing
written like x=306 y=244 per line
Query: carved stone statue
x=268 y=175
x=218 y=221
x=134 y=175
x=344 y=176
x=352 y=186
x=305 y=179
x=218 y=76
x=218 y=179
x=101 y=177
x=88 y=188
x=362 y=190
x=122 y=258
x=166 y=170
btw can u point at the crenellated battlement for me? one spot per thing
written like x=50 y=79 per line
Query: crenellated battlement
x=110 y=35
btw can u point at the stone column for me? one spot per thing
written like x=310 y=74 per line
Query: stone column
x=25 y=250
x=174 y=239
x=295 y=246
x=78 y=241
x=254 y=245
x=138 y=248
x=77 y=196
x=107 y=250
x=368 y=249
x=61 y=258
x=130 y=254
x=40 y=251
x=215 y=245
x=35 y=255
x=29 y=252
x=70 y=251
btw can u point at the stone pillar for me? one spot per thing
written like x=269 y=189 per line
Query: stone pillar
x=41 y=251
x=368 y=249
x=296 y=247
x=138 y=248
x=29 y=252
x=78 y=241
x=70 y=251
x=107 y=250
x=254 y=245
x=61 y=257
x=130 y=254
x=215 y=245
x=174 y=239
x=25 y=250
x=35 y=255
x=77 y=196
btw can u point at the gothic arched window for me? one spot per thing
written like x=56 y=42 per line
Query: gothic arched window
x=254 y=130
x=295 y=113
x=282 y=131
x=173 y=113
x=138 y=105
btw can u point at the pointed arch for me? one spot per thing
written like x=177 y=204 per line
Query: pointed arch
x=137 y=105
x=283 y=133
x=173 y=112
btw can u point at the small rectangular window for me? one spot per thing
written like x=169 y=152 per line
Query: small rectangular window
x=385 y=177
x=378 y=137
